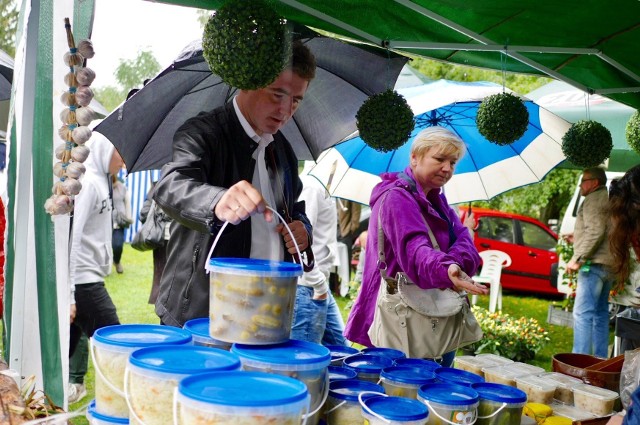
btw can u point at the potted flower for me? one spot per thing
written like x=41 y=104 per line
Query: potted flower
x=562 y=313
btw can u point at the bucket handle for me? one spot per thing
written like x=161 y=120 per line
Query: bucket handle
x=433 y=410
x=58 y=418
x=367 y=409
x=215 y=241
x=494 y=413
x=96 y=366
x=335 y=407
x=324 y=398
x=126 y=397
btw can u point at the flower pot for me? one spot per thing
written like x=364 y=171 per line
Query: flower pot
x=556 y=315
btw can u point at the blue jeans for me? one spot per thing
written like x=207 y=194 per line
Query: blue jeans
x=591 y=311
x=317 y=321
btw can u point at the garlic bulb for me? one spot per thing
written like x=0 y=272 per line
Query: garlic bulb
x=85 y=115
x=85 y=48
x=80 y=153
x=70 y=79
x=58 y=169
x=71 y=186
x=67 y=98
x=75 y=170
x=57 y=187
x=71 y=59
x=81 y=134
x=85 y=76
x=84 y=94
x=68 y=115
x=60 y=150
x=64 y=132
x=58 y=204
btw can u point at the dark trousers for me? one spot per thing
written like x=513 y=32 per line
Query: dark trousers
x=117 y=243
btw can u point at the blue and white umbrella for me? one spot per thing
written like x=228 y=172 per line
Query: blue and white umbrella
x=351 y=169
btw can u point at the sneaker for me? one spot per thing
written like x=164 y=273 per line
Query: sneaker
x=76 y=393
x=119 y=268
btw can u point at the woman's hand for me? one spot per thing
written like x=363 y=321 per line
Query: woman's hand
x=462 y=282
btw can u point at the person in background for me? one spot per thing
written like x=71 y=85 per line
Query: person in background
x=90 y=258
x=316 y=316
x=411 y=198
x=228 y=165
x=592 y=261
x=348 y=223
x=121 y=216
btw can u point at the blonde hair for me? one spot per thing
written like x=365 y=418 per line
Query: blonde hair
x=444 y=140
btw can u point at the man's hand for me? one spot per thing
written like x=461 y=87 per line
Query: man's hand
x=299 y=233
x=72 y=313
x=241 y=201
x=573 y=266
x=462 y=282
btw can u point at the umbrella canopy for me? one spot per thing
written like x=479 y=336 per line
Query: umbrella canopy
x=591 y=45
x=347 y=74
x=6 y=75
x=351 y=169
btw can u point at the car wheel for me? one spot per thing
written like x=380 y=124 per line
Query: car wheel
x=614 y=310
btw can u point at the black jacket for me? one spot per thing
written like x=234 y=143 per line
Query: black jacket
x=211 y=152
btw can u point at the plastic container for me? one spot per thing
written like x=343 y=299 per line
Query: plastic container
x=391 y=353
x=564 y=385
x=596 y=400
x=302 y=360
x=367 y=366
x=449 y=404
x=342 y=406
x=199 y=329
x=450 y=375
x=404 y=381
x=499 y=404
x=498 y=360
x=507 y=374
x=110 y=350
x=538 y=390
x=251 y=301
x=383 y=410
x=240 y=398
x=419 y=363
x=571 y=412
x=338 y=372
x=340 y=352
x=153 y=373
x=96 y=418
x=475 y=364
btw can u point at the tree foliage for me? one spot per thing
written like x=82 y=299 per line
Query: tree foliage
x=8 y=26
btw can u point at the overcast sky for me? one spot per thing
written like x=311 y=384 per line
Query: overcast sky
x=121 y=28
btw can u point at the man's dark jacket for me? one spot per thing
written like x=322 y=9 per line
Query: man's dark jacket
x=212 y=152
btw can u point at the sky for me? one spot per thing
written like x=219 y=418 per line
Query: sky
x=122 y=28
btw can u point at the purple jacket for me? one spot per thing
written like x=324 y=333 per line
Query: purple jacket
x=407 y=246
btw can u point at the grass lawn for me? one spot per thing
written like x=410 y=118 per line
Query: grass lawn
x=130 y=292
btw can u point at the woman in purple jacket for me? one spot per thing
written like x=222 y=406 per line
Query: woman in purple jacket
x=413 y=197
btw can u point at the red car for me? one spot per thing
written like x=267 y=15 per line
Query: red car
x=530 y=244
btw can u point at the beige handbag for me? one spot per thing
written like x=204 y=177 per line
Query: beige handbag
x=423 y=323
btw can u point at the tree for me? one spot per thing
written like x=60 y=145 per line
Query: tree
x=8 y=26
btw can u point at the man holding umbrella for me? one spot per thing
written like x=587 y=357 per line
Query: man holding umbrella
x=228 y=166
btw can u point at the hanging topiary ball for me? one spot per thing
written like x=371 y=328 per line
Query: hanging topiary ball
x=633 y=132
x=385 y=121
x=587 y=143
x=246 y=43
x=502 y=118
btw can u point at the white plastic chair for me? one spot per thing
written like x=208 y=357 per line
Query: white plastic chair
x=493 y=261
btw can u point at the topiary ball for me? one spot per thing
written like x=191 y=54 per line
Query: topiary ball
x=633 y=132
x=502 y=118
x=385 y=121
x=587 y=143
x=246 y=43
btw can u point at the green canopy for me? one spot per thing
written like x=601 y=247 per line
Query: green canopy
x=592 y=44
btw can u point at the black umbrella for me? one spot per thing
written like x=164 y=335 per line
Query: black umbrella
x=347 y=74
x=6 y=75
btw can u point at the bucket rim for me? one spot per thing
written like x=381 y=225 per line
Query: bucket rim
x=249 y=265
x=291 y=353
x=130 y=335
x=398 y=408
x=408 y=375
x=500 y=393
x=449 y=394
x=91 y=411
x=184 y=359
x=348 y=389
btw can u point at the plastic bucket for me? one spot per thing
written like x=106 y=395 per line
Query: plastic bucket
x=237 y=398
x=499 y=404
x=368 y=366
x=383 y=410
x=449 y=404
x=450 y=375
x=96 y=418
x=338 y=372
x=251 y=301
x=340 y=352
x=153 y=373
x=110 y=350
x=342 y=406
x=419 y=363
x=199 y=329
x=305 y=361
x=404 y=381
x=391 y=353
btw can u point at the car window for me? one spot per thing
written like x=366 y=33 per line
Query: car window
x=536 y=237
x=496 y=228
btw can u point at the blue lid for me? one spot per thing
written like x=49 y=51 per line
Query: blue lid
x=398 y=408
x=421 y=363
x=408 y=375
x=198 y=326
x=141 y=335
x=452 y=375
x=499 y=392
x=341 y=351
x=184 y=359
x=348 y=389
x=292 y=352
x=338 y=372
x=248 y=265
x=386 y=352
x=367 y=363
x=448 y=394
x=241 y=388
x=91 y=411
